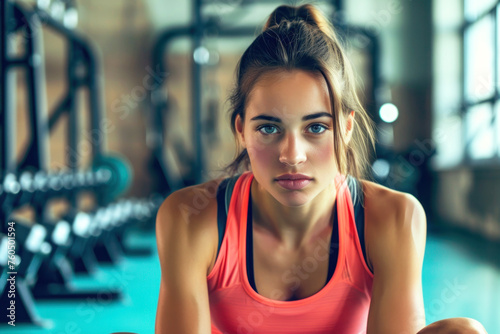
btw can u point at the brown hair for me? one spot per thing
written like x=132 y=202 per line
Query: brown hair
x=300 y=37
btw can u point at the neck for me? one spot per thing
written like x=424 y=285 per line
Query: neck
x=293 y=226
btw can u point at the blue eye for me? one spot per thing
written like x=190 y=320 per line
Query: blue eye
x=317 y=128
x=268 y=129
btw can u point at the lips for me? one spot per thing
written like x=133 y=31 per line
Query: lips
x=293 y=177
x=293 y=181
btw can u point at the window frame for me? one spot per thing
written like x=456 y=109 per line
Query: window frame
x=494 y=100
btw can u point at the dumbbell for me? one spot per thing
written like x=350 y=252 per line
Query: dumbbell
x=135 y=211
x=92 y=242
x=41 y=185
x=4 y=258
x=55 y=269
x=56 y=272
x=107 y=248
x=11 y=189
x=30 y=247
x=118 y=172
x=26 y=181
x=81 y=251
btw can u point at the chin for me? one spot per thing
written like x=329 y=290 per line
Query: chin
x=294 y=198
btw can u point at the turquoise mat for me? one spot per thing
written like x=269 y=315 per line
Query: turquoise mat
x=459 y=281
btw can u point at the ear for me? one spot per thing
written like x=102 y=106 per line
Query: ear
x=349 y=126
x=238 y=124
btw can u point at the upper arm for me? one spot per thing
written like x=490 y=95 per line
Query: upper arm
x=397 y=251
x=183 y=249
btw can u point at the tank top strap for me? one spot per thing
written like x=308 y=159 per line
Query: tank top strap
x=228 y=228
x=355 y=270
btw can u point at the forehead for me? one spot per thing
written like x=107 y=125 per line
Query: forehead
x=289 y=94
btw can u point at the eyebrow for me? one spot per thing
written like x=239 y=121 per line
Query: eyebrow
x=305 y=118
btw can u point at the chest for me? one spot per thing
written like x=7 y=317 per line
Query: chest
x=284 y=274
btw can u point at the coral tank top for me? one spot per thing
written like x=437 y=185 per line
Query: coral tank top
x=341 y=306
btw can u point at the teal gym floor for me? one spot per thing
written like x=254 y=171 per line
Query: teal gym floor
x=461 y=279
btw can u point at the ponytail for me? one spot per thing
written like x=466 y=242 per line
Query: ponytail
x=307 y=13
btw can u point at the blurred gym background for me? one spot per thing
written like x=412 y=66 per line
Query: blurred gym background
x=108 y=106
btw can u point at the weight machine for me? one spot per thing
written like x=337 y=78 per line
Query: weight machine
x=48 y=251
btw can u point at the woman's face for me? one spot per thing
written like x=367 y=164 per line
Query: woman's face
x=288 y=129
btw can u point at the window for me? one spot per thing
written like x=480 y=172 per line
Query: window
x=466 y=103
x=481 y=77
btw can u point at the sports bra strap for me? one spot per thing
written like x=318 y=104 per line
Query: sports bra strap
x=229 y=190
x=224 y=193
x=357 y=198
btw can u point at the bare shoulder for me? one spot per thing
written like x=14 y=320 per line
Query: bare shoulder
x=188 y=218
x=192 y=204
x=385 y=206
x=392 y=219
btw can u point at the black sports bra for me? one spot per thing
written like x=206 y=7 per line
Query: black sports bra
x=225 y=191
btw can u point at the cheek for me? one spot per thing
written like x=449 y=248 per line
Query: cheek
x=261 y=150
x=324 y=152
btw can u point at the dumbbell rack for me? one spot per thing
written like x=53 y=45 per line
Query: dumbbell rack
x=49 y=252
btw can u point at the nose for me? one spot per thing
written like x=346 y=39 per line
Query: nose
x=292 y=151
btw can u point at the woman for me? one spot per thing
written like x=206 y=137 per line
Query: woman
x=306 y=245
